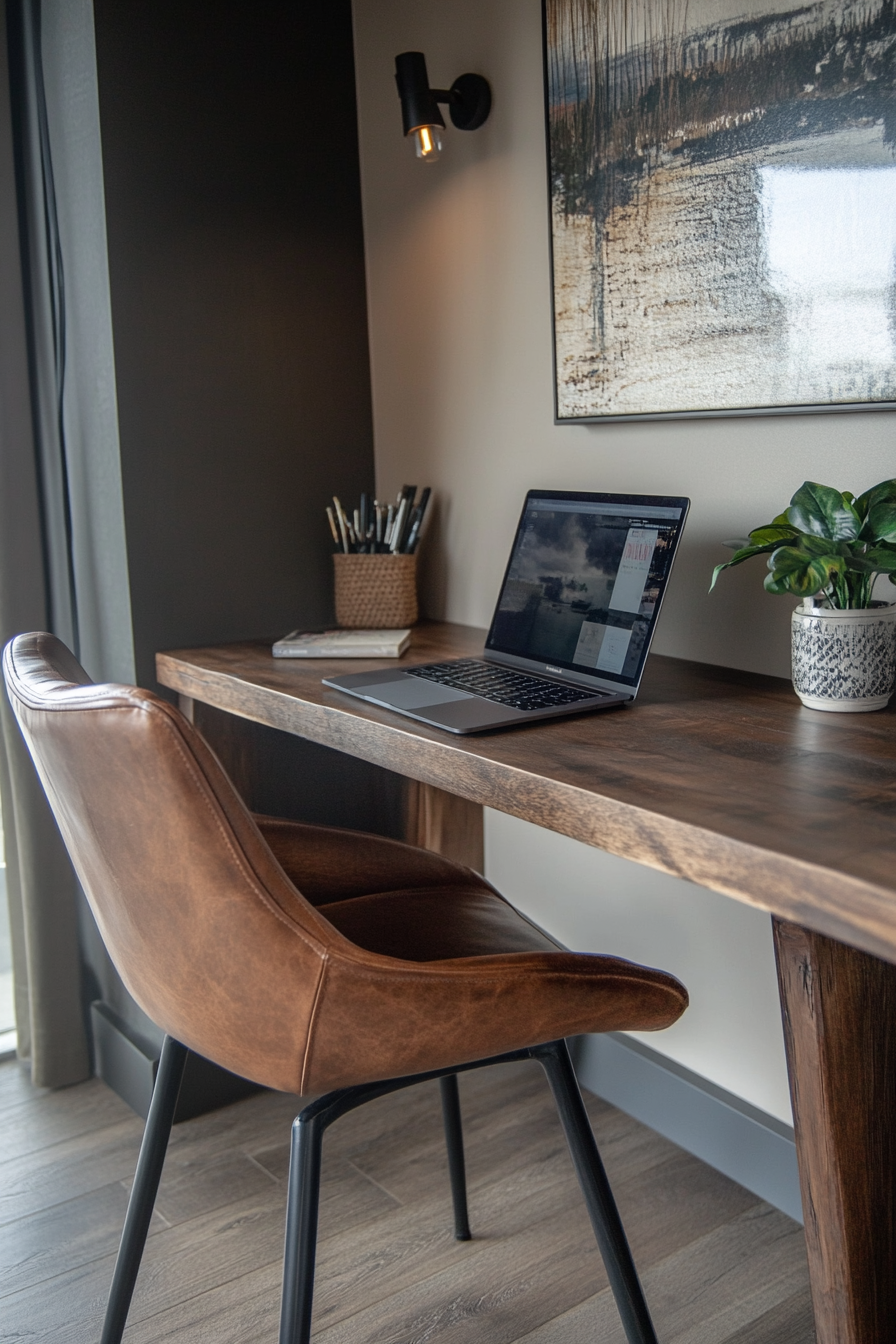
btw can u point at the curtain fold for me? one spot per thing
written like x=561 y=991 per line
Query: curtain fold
x=36 y=576
x=63 y=553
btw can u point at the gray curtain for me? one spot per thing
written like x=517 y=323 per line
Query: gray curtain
x=41 y=885
x=63 y=564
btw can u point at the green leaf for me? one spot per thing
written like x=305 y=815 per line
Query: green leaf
x=789 y=560
x=880 y=560
x=860 y=564
x=776 y=532
x=821 y=510
x=816 y=578
x=779 y=586
x=821 y=546
x=885 y=493
x=880 y=525
x=780 y=520
x=794 y=569
x=738 y=558
x=808 y=583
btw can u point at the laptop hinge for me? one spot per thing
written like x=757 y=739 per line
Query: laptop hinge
x=560 y=675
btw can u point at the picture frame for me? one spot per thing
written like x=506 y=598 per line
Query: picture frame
x=722 y=197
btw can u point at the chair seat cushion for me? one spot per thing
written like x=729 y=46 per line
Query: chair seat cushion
x=328 y=863
x=437 y=924
x=437 y=968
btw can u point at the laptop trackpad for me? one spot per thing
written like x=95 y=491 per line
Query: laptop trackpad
x=414 y=693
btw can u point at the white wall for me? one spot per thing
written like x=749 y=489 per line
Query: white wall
x=721 y=950
x=460 y=329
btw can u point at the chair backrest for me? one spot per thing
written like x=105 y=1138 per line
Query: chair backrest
x=209 y=935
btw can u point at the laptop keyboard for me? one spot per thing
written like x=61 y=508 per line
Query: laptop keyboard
x=500 y=684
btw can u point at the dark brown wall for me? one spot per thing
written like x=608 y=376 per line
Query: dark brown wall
x=238 y=305
x=239 y=320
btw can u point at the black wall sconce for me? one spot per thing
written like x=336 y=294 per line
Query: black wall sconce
x=469 y=102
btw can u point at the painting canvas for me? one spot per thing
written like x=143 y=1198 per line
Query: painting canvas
x=722 y=180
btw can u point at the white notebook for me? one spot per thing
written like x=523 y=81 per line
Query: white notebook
x=343 y=644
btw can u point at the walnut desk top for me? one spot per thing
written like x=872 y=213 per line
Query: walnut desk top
x=714 y=775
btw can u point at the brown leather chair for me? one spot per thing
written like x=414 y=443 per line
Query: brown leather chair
x=306 y=959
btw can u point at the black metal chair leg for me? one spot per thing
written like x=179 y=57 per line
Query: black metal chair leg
x=303 y=1194
x=146 y=1183
x=454 y=1138
x=605 y=1220
x=302 y=1200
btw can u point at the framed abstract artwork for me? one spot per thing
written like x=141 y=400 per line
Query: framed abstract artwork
x=722 y=181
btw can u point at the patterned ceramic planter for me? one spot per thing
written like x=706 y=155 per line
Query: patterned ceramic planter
x=844 y=660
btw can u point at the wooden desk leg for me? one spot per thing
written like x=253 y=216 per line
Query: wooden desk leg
x=444 y=823
x=839 y=1009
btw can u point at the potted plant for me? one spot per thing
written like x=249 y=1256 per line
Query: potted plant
x=828 y=548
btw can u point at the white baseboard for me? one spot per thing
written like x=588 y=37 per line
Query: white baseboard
x=753 y=1148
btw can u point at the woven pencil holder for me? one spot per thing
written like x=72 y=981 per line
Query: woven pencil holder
x=375 y=592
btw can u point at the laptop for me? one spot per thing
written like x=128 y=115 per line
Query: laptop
x=573 y=625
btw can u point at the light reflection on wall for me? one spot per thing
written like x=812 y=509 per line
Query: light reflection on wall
x=831 y=246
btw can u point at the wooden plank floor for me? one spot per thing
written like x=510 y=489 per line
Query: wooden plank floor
x=718 y=1265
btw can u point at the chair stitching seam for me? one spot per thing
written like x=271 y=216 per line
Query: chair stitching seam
x=312 y=1022
x=240 y=861
x=373 y=974
x=203 y=785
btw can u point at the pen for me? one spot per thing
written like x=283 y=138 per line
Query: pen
x=377 y=529
x=411 y=530
x=399 y=525
x=342 y=527
x=410 y=514
x=414 y=534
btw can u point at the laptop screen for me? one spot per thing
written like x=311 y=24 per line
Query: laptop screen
x=585 y=581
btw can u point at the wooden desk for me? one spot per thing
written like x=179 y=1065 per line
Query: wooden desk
x=720 y=777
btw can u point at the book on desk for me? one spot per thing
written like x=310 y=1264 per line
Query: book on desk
x=343 y=644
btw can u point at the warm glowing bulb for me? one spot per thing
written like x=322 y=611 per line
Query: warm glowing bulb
x=427 y=142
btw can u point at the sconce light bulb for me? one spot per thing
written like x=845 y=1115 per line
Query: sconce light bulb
x=427 y=142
